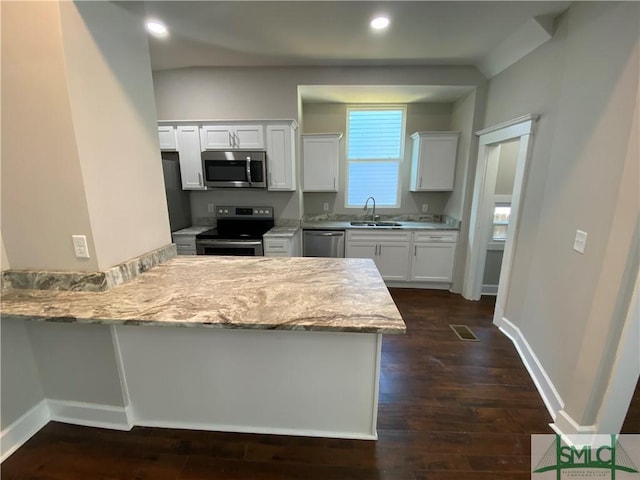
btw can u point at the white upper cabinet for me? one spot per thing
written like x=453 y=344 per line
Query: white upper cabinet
x=167 y=138
x=433 y=161
x=231 y=137
x=281 y=156
x=320 y=156
x=190 y=157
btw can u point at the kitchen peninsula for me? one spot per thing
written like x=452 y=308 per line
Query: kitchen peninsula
x=244 y=344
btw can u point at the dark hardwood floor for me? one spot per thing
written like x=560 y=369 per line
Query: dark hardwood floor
x=448 y=410
x=632 y=420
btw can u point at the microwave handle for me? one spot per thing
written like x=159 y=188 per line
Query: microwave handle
x=249 y=170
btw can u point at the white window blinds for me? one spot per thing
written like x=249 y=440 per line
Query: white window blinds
x=374 y=152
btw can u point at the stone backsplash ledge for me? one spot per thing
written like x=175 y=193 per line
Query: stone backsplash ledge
x=87 y=281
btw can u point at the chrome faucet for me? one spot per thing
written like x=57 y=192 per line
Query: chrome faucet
x=366 y=204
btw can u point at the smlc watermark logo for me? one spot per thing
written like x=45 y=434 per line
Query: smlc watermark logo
x=585 y=457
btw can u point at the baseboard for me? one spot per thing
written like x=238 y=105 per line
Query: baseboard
x=419 y=285
x=488 y=289
x=565 y=425
x=91 y=414
x=257 y=430
x=543 y=383
x=16 y=434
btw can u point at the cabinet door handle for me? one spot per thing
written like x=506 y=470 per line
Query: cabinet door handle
x=199 y=179
x=415 y=250
x=231 y=143
x=270 y=181
x=334 y=183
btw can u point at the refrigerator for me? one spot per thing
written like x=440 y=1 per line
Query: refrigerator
x=178 y=200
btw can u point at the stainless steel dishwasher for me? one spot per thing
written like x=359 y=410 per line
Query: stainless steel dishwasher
x=323 y=243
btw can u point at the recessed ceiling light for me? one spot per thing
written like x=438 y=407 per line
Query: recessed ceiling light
x=380 y=23
x=156 y=28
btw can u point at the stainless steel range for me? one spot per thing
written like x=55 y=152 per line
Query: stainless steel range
x=238 y=232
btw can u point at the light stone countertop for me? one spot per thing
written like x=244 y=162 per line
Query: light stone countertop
x=193 y=230
x=405 y=225
x=296 y=293
x=280 y=232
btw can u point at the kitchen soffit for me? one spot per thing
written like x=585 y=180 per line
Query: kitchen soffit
x=305 y=33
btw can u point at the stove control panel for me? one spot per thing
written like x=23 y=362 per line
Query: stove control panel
x=244 y=212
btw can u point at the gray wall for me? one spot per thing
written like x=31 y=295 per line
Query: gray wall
x=332 y=117
x=21 y=388
x=272 y=93
x=77 y=362
x=567 y=304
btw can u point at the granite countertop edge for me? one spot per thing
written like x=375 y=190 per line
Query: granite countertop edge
x=215 y=325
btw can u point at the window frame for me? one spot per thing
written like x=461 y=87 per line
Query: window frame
x=399 y=160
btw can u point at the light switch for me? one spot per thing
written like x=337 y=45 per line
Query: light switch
x=580 y=242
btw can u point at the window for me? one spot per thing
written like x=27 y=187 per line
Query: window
x=375 y=139
x=501 y=213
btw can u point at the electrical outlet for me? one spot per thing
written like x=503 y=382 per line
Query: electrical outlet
x=425 y=207
x=80 y=246
x=211 y=207
x=580 y=241
x=325 y=206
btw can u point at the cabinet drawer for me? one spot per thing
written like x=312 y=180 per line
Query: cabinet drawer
x=435 y=236
x=378 y=236
x=276 y=245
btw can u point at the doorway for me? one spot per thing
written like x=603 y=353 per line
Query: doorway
x=494 y=214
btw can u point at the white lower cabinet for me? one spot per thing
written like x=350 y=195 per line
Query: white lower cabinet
x=433 y=256
x=420 y=257
x=389 y=250
x=278 y=246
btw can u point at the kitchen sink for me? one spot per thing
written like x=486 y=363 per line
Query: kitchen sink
x=360 y=223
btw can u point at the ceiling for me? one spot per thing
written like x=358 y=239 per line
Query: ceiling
x=337 y=33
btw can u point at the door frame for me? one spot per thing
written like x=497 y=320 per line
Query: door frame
x=521 y=128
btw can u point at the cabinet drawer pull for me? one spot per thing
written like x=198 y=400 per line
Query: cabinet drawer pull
x=415 y=250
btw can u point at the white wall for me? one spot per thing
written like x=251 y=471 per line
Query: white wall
x=114 y=119
x=79 y=152
x=43 y=196
x=580 y=150
x=466 y=118
x=332 y=117
x=507 y=167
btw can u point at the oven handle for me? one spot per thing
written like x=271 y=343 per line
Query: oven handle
x=239 y=243
x=249 y=170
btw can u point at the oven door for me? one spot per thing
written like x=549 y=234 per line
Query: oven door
x=245 y=248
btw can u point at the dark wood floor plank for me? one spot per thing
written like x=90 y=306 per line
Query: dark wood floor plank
x=448 y=410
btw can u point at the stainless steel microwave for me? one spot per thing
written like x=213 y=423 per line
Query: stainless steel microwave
x=234 y=168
